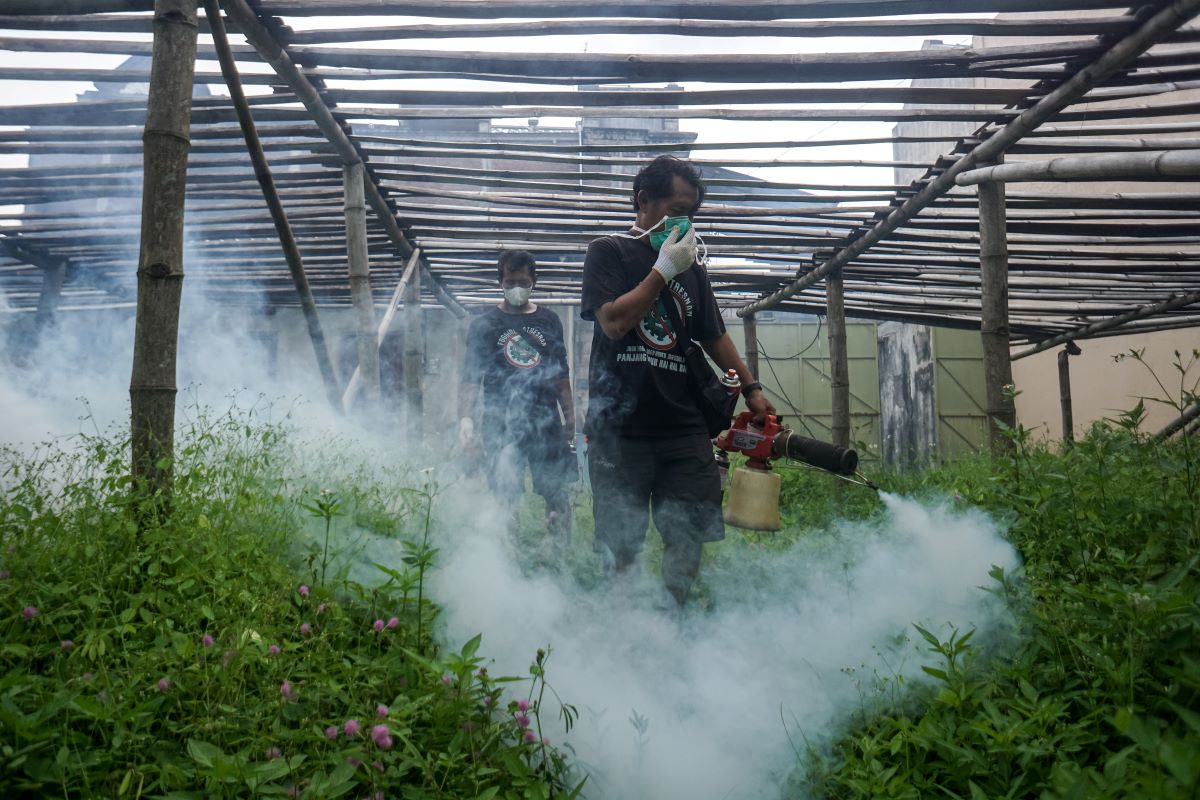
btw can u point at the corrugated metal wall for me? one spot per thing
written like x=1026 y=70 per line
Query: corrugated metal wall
x=794 y=362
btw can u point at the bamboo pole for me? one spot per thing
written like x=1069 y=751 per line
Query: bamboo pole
x=1113 y=59
x=1088 y=331
x=160 y=260
x=698 y=9
x=750 y=334
x=690 y=27
x=1064 y=392
x=385 y=325
x=50 y=294
x=54 y=271
x=360 y=281
x=1063 y=26
x=1189 y=415
x=1155 y=164
x=839 y=365
x=283 y=228
x=414 y=357
x=271 y=52
x=993 y=315
x=670 y=9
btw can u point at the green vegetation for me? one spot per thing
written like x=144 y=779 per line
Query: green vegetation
x=1101 y=699
x=229 y=653
x=235 y=652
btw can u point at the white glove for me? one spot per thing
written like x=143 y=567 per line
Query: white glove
x=677 y=254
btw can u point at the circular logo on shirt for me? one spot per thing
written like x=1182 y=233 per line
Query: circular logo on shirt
x=655 y=329
x=518 y=352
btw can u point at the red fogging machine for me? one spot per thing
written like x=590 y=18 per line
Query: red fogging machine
x=753 y=501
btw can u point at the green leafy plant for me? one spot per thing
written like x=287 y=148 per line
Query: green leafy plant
x=191 y=659
x=326 y=507
x=1097 y=697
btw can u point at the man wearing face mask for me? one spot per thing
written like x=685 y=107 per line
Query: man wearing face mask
x=516 y=352
x=649 y=448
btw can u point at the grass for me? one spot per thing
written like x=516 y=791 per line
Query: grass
x=1101 y=699
x=225 y=654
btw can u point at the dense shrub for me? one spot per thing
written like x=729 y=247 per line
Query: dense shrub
x=1102 y=697
x=224 y=653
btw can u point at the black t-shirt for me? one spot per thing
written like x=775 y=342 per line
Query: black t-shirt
x=638 y=384
x=519 y=359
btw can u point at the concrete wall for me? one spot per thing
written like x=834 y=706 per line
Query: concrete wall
x=1105 y=382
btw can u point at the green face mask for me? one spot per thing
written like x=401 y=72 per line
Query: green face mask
x=657 y=238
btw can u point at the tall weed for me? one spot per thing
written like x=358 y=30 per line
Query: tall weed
x=227 y=652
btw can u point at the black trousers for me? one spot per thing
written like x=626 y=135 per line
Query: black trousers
x=676 y=479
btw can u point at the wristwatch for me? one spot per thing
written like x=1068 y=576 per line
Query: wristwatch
x=753 y=386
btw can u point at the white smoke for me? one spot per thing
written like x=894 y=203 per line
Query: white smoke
x=798 y=641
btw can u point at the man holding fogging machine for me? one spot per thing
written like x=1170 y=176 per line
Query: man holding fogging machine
x=516 y=352
x=649 y=448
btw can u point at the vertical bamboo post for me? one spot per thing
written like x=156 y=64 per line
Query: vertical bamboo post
x=53 y=274
x=750 y=334
x=160 y=260
x=1064 y=392
x=414 y=358
x=360 y=281
x=997 y=359
x=283 y=228
x=839 y=363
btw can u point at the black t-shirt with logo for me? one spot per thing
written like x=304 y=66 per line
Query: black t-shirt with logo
x=519 y=359
x=638 y=384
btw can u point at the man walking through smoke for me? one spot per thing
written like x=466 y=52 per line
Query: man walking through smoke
x=648 y=445
x=515 y=351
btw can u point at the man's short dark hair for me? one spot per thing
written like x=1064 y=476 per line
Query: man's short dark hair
x=516 y=261
x=658 y=177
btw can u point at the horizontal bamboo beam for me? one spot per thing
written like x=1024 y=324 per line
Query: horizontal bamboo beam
x=678 y=9
x=1116 y=57
x=949 y=26
x=698 y=27
x=1172 y=304
x=1112 y=167
x=616 y=99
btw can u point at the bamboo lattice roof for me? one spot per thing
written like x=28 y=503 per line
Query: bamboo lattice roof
x=436 y=96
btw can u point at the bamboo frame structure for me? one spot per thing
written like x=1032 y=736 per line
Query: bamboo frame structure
x=1064 y=392
x=262 y=172
x=839 y=364
x=413 y=359
x=993 y=315
x=278 y=58
x=1183 y=422
x=1167 y=19
x=1120 y=86
x=160 y=260
x=1156 y=164
x=750 y=349
x=385 y=324
x=360 y=282
x=1121 y=320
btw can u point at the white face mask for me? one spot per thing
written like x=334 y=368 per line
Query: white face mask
x=517 y=296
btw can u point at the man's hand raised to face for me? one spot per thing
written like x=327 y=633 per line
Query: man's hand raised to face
x=677 y=254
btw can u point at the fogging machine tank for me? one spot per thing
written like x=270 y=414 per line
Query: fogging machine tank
x=753 y=501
